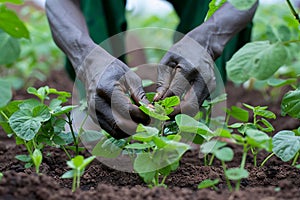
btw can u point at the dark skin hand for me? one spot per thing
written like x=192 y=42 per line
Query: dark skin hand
x=107 y=80
x=187 y=68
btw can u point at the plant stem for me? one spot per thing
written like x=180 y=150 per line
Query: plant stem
x=67 y=153
x=73 y=133
x=74 y=183
x=295 y=159
x=78 y=179
x=211 y=159
x=266 y=159
x=163 y=180
x=227 y=180
x=27 y=147
x=205 y=159
x=293 y=10
x=254 y=153
x=243 y=162
x=4 y=115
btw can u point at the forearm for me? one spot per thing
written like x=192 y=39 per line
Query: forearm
x=221 y=27
x=69 y=29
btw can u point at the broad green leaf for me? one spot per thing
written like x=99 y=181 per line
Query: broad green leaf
x=208 y=183
x=236 y=174
x=189 y=124
x=108 y=147
x=144 y=163
x=9 y=48
x=290 y=104
x=235 y=125
x=58 y=140
x=211 y=146
x=159 y=141
x=148 y=129
x=23 y=158
x=10 y=23
x=242 y=4
x=214 y=5
x=12 y=1
x=223 y=133
x=91 y=136
x=139 y=146
x=286 y=145
x=63 y=110
x=281 y=82
x=170 y=101
x=152 y=112
x=5 y=94
x=256 y=59
x=37 y=158
x=265 y=113
x=224 y=154
x=147 y=177
x=67 y=137
x=257 y=138
x=239 y=113
x=145 y=133
x=168 y=169
x=26 y=123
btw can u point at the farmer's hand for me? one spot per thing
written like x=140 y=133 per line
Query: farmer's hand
x=186 y=69
x=108 y=81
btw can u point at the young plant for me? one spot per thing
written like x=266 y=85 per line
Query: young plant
x=36 y=124
x=208 y=183
x=77 y=165
x=1 y=176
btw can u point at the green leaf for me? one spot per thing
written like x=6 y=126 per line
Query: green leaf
x=108 y=147
x=290 y=104
x=224 y=154
x=144 y=163
x=152 y=112
x=235 y=125
x=211 y=146
x=214 y=5
x=170 y=101
x=208 y=183
x=239 y=113
x=147 y=83
x=236 y=174
x=150 y=96
x=9 y=48
x=63 y=110
x=69 y=174
x=1 y=176
x=218 y=99
x=23 y=158
x=37 y=158
x=67 y=137
x=145 y=133
x=275 y=82
x=86 y=162
x=190 y=125
x=256 y=59
x=10 y=23
x=139 y=146
x=91 y=136
x=285 y=145
x=18 y=2
x=265 y=113
x=26 y=123
x=242 y=4
x=5 y=94
x=268 y=126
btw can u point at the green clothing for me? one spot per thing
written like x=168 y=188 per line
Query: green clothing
x=106 y=18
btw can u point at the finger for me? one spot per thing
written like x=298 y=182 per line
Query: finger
x=165 y=74
x=114 y=125
x=120 y=101
x=193 y=99
x=179 y=84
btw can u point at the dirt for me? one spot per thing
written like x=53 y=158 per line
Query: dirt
x=275 y=180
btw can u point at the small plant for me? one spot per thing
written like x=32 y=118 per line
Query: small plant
x=77 y=165
x=36 y=124
x=1 y=176
x=208 y=183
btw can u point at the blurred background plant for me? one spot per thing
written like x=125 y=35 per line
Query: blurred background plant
x=28 y=52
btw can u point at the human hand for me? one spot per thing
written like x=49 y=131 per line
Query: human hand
x=108 y=81
x=187 y=71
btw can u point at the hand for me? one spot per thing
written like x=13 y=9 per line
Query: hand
x=187 y=71
x=107 y=81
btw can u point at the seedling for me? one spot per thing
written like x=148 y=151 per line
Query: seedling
x=78 y=165
x=1 y=176
x=208 y=183
x=35 y=123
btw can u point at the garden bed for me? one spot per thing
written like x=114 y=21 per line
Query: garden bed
x=276 y=180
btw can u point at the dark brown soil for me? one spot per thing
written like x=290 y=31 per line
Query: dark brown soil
x=276 y=180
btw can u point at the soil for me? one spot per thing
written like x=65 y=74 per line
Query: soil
x=276 y=180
